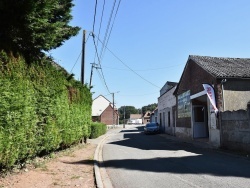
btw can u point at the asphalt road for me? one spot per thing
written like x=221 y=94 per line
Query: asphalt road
x=134 y=160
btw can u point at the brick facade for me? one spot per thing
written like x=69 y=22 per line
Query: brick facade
x=107 y=116
x=230 y=78
x=192 y=79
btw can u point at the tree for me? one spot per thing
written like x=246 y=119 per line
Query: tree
x=128 y=110
x=31 y=27
x=150 y=107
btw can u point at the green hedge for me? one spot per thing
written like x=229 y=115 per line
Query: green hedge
x=41 y=109
x=97 y=129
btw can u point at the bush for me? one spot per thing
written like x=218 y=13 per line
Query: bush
x=97 y=129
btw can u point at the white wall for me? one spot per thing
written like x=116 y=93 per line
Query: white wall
x=165 y=104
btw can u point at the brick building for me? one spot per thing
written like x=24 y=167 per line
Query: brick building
x=230 y=78
x=103 y=111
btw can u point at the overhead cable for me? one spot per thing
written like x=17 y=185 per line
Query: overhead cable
x=147 y=69
x=100 y=64
x=107 y=29
x=94 y=16
x=100 y=25
x=101 y=76
x=128 y=66
x=139 y=94
x=79 y=56
x=111 y=27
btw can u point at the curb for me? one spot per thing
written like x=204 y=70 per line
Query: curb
x=101 y=176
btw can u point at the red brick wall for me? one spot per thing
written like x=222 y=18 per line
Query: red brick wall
x=192 y=79
x=107 y=116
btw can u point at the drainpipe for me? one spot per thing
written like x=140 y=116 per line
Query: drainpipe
x=222 y=86
x=220 y=119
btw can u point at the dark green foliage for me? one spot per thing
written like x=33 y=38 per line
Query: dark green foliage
x=128 y=110
x=150 y=107
x=40 y=110
x=29 y=27
x=97 y=129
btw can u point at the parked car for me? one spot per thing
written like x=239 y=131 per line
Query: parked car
x=151 y=128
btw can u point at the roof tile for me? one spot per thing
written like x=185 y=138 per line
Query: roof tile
x=224 y=67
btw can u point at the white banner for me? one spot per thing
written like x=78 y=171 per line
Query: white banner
x=210 y=93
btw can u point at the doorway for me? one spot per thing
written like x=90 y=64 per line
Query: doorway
x=200 y=125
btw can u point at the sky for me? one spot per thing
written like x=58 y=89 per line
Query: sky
x=150 y=42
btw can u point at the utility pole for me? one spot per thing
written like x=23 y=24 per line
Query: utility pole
x=113 y=94
x=82 y=65
x=124 y=116
x=83 y=56
x=93 y=66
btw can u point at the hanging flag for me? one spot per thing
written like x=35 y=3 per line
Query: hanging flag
x=210 y=93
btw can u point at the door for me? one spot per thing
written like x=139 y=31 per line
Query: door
x=199 y=122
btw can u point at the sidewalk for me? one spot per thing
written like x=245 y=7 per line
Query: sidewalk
x=204 y=143
x=201 y=143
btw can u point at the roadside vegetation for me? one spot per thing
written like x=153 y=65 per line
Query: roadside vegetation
x=97 y=129
x=42 y=107
x=41 y=110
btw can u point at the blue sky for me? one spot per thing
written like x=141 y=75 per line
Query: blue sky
x=153 y=38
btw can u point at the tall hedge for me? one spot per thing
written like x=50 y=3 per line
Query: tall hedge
x=41 y=109
x=97 y=129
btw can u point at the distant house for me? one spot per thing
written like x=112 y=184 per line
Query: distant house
x=197 y=116
x=146 y=117
x=135 y=119
x=103 y=111
x=154 y=116
x=167 y=108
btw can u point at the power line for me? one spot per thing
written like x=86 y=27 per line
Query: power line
x=112 y=25
x=101 y=76
x=100 y=64
x=128 y=66
x=76 y=62
x=146 y=69
x=100 y=25
x=78 y=56
x=140 y=94
x=94 y=16
x=107 y=28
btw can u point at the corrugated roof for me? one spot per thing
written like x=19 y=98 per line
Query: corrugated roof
x=224 y=67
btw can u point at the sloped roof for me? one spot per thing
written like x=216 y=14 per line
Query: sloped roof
x=167 y=86
x=223 y=67
x=147 y=114
x=135 y=116
x=99 y=105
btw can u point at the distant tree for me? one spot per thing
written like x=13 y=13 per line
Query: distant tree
x=128 y=110
x=150 y=107
x=31 y=27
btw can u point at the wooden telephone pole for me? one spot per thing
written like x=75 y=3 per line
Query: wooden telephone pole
x=91 y=74
x=83 y=56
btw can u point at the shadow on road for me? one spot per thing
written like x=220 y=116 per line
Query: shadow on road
x=194 y=160
x=189 y=160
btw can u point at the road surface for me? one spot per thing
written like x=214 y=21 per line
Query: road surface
x=134 y=160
